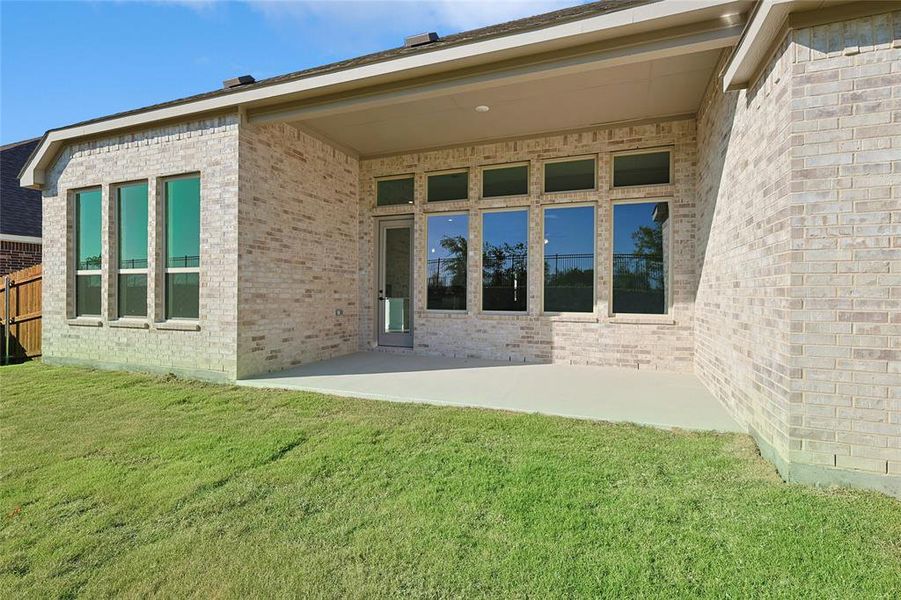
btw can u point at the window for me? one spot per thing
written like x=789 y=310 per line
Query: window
x=505 y=181
x=569 y=175
x=88 y=281
x=645 y=168
x=569 y=259
x=641 y=234
x=183 y=248
x=448 y=186
x=394 y=190
x=448 y=237
x=131 y=202
x=505 y=261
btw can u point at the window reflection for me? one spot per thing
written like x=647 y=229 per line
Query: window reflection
x=640 y=258
x=569 y=259
x=505 y=260
x=448 y=237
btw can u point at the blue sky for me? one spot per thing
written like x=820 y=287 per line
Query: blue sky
x=99 y=57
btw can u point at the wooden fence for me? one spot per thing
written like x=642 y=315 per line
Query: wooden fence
x=20 y=298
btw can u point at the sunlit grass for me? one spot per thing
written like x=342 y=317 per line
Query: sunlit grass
x=122 y=484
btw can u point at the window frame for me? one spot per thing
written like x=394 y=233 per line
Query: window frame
x=76 y=272
x=528 y=210
x=164 y=212
x=668 y=249
x=449 y=213
x=375 y=201
x=637 y=152
x=593 y=314
x=544 y=163
x=118 y=270
x=496 y=167
x=447 y=172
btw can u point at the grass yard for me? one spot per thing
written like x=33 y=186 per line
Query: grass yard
x=120 y=484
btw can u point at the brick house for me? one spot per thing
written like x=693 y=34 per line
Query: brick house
x=709 y=187
x=20 y=211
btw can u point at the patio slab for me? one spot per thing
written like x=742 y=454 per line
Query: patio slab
x=669 y=400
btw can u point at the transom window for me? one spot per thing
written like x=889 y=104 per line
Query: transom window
x=183 y=248
x=641 y=262
x=443 y=187
x=447 y=241
x=569 y=241
x=569 y=175
x=642 y=168
x=88 y=279
x=131 y=213
x=505 y=260
x=394 y=190
x=505 y=181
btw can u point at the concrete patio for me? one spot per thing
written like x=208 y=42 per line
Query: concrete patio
x=668 y=400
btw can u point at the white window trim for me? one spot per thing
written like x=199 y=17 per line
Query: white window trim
x=118 y=232
x=448 y=172
x=664 y=318
x=588 y=315
x=592 y=157
x=165 y=242
x=655 y=150
x=447 y=311
x=498 y=167
x=481 y=298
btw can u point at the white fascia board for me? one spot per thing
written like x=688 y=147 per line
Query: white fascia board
x=598 y=26
x=760 y=35
x=22 y=239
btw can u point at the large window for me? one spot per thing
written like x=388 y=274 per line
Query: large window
x=505 y=181
x=447 y=242
x=131 y=201
x=569 y=259
x=505 y=261
x=394 y=190
x=448 y=186
x=641 y=233
x=183 y=248
x=569 y=175
x=88 y=281
x=644 y=168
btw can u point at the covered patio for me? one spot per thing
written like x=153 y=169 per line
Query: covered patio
x=656 y=398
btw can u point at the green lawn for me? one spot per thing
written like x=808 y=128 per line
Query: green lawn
x=120 y=484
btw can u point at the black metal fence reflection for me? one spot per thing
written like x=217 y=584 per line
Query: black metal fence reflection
x=504 y=281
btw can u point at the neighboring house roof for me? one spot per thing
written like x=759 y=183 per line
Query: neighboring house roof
x=20 y=208
x=554 y=30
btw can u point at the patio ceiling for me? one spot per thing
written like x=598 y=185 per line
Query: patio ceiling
x=656 y=88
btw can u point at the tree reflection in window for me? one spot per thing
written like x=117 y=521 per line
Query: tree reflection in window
x=640 y=261
x=505 y=260
x=448 y=237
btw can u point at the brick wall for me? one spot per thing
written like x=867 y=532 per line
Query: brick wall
x=846 y=244
x=797 y=313
x=590 y=339
x=209 y=147
x=15 y=256
x=742 y=337
x=298 y=238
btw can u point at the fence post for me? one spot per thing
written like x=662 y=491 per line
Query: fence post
x=6 y=320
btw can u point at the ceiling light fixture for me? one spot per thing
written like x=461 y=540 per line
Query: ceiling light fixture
x=482 y=108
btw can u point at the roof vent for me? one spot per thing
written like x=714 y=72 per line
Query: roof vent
x=237 y=82
x=420 y=39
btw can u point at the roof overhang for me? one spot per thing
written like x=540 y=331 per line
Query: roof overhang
x=770 y=20
x=353 y=85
